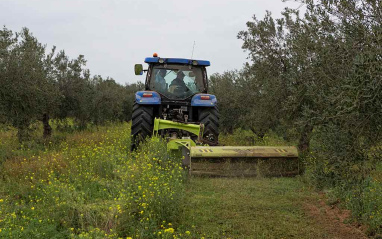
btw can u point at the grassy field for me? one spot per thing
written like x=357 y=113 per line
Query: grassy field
x=88 y=185
x=261 y=208
x=241 y=208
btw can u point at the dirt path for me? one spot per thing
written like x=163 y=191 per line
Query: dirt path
x=261 y=208
x=333 y=220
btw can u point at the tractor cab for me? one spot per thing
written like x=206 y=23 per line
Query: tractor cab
x=175 y=78
x=176 y=81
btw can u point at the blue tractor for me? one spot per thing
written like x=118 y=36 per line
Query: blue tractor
x=175 y=89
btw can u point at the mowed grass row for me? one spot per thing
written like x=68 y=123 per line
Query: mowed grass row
x=252 y=208
x=363 y=199
x=91 y=186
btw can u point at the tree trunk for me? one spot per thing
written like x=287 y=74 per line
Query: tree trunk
x=47 y=128
x=303 y=144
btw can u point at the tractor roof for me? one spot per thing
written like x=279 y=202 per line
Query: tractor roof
x=177 y=61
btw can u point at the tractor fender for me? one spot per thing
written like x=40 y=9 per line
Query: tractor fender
x=147 y=98
x=205 y=100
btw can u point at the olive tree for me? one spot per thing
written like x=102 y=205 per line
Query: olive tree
x=27 y=91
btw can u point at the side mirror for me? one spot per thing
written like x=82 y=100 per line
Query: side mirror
x=138 y=68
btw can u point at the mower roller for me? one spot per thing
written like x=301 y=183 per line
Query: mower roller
x=228 y=160
x=175 y=104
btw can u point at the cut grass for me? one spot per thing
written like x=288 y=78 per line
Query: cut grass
x=250 y=208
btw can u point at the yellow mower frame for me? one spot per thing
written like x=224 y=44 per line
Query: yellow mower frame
x=228 y=160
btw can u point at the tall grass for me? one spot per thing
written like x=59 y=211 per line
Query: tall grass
x=90 y=186
x=353 y=183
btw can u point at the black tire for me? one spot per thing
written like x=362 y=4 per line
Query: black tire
x=142 y=124
x=209 y=116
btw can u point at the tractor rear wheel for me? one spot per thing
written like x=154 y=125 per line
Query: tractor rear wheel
x=142 y=124
x=209 y=116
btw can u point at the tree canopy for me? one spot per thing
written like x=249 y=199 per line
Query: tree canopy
x=38 y=85
x=318 y=73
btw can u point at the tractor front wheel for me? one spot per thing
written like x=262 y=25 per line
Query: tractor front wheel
x=209 y=116
x=142 y=124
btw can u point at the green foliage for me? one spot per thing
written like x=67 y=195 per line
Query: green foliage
x=90 y=100
x=242 y=137
x=130 y=98
x=91 y=186
x=365 y=202
x=39 y=85
x=230 y=105
x=318 y=73
x=27 y=91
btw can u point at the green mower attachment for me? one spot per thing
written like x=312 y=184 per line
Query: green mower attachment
x=228 y=160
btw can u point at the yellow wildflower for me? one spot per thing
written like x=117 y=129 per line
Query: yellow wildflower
x=170 y=230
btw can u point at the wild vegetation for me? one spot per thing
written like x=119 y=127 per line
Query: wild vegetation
x=38 y=85
x=313 y=79
x=90 y=186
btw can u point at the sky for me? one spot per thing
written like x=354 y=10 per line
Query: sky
x=114 y=35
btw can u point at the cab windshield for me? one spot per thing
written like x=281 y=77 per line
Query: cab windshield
x=177 y=81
